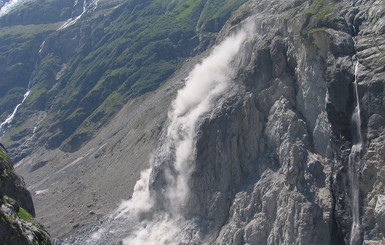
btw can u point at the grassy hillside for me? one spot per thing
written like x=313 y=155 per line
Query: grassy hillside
x=88 y=71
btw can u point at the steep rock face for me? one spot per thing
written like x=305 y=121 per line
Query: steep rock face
x=371 y=74
x=273 y=165
x=17 y=225
x=12 y=185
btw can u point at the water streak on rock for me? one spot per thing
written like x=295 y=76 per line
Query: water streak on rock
x=4 y=125
x=355 y=163
x=87 y=5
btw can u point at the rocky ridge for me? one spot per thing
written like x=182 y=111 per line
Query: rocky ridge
x=17 y=223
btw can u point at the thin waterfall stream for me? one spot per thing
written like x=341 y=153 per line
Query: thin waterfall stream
x=87 y=5
x=355 y=163
x=4 y=125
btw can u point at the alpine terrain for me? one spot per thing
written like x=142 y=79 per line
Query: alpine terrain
x=17 y=223
x=193 y=121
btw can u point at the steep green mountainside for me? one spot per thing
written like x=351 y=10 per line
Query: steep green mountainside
x=17 y=224
x=86 y=72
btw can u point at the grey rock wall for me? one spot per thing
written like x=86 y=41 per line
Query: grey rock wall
x=272 y=164
x=17 y=224
x=12 y=185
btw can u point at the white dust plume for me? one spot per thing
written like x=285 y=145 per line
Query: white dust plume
x=155 y=213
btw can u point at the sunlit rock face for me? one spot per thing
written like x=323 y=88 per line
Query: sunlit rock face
x=279 y=154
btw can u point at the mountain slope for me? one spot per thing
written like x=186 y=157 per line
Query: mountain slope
x=80 y=76
x=290 y=154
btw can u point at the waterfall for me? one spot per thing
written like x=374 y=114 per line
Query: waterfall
x=156 y=212
x=9 y=119
x=86 y=7
x=355 y=163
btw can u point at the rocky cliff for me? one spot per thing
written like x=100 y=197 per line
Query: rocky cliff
x=285 y=141
x=17 y=224
x=291 y=152
x=280 y=152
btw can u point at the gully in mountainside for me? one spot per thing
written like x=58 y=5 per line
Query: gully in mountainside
x=4 y=125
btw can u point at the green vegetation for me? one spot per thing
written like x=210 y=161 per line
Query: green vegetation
x=16 y=227
x=320 y=12
x=218 y=10
x=27 y=31
x=186 y=9
x=40 y=12
x=132 y=55
x=18 y=53
x=24 y=215
x=117 y=56
x=16 y=64
x=319 y=9
x=10 y=100
x=4 y=156
x=6 y=162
